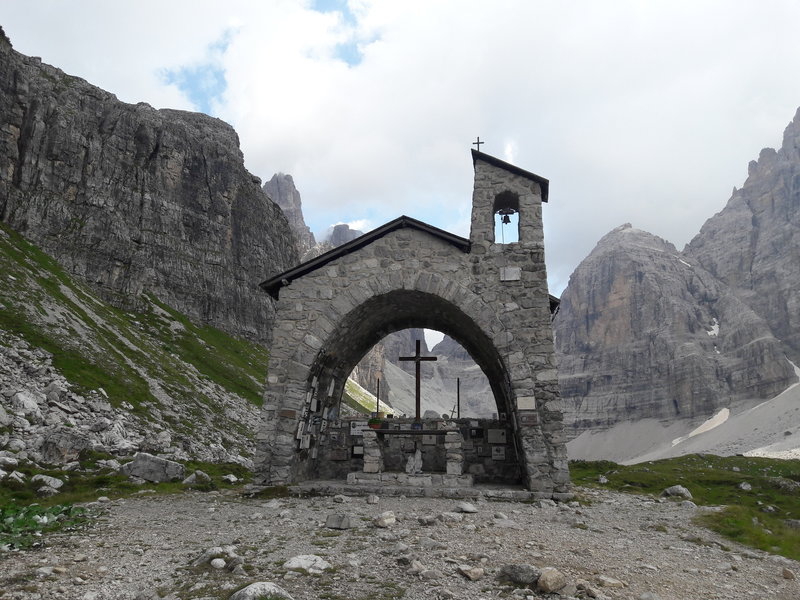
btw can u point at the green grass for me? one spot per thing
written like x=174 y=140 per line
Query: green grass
x=24 y=526
x=87 y=485
x=96 y=345
x=237 y=365
x=756 y=518
x=360 y=400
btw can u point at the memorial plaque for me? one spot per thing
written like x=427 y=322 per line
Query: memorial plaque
x=429 y=440
x=497 y=436
x=476 y=433
x=498 y=452
x=358 y=450
x=467 y=444
x=356 y=427
x=526 y=403
x=339 y=454
x=510 y=273
x=484 y=450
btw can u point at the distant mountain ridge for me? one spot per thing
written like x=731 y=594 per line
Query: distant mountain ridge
x=642 y=332
x=645 y=331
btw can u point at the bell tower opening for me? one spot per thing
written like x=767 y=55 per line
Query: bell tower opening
x=506 y=218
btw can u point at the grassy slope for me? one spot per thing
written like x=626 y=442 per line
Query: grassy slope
x=95 y=345
x=756 y=518
x=360 y=400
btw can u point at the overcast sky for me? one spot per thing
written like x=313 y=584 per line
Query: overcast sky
x=643 y=112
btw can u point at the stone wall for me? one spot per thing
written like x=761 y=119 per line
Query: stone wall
x=491 y=298
x=486 y=449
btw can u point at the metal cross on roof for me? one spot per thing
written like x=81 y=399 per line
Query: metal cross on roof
x=478 y=143
x=417 y=358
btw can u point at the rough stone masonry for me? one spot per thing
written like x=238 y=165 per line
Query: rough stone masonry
x=490 y=297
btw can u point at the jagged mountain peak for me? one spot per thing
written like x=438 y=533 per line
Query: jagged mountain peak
x=753 y=244
x=282 y=190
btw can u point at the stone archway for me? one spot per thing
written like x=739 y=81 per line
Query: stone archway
x=491 y=298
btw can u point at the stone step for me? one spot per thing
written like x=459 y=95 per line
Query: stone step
x=404 y=479
x=331 y=488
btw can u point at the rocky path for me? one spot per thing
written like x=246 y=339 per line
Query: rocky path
x=618 y=546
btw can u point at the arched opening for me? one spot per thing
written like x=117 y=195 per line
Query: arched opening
x=403 y=309
x=491 y=448
x=506 y=218
x=384 y=379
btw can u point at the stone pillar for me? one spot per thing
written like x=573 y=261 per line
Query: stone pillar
x=453 y=453
x=373 y=458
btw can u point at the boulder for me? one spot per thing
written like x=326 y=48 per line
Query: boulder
x=153 y=468
x=519 y=574
x=340 y=521
x=63 y=445
x=466 y=507
x=551 y=580
x=25 y=403
x=385 y=519
x=677 y=490
x=259 y=590
x=310 y=563
x=47 y=480
x=471 y=573
x=197 y=477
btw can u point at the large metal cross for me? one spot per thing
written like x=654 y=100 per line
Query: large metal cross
x=478 y=143
x=417 y=358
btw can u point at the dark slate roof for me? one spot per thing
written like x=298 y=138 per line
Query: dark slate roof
x=274 y=284
x=544 y=184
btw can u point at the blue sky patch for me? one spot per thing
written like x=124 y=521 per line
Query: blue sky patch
x=204 y=82
x=347 y=52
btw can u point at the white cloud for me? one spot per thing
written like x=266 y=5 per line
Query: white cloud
x=636 y=111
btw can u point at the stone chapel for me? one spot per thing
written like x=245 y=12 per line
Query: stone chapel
x=488 y=295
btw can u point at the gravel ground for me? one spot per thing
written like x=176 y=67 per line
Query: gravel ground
x=143 y=548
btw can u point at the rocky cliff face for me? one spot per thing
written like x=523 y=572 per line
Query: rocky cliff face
x=137 y=200
x=282 y=191
x=646 y=332
x=753 y=244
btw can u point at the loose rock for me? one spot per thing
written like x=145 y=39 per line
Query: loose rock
x=260 y=590
x=677 y=490
x=551 y=580
x=310 y=563
x=385 y=519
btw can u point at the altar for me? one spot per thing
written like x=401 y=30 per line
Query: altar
x=428 y=452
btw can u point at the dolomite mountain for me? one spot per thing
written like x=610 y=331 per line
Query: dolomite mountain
x=753 y=244
x=642 y=332
x=647 y=331
x=282 y=191
x=136 y=200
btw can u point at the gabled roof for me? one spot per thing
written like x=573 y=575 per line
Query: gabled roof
x=274 y=284
x=544 y=184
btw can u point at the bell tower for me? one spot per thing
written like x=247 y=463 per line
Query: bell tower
x=509 y=193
